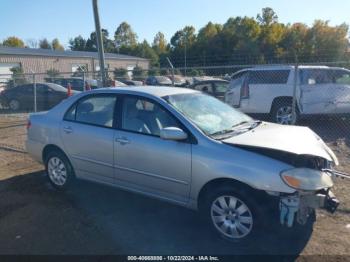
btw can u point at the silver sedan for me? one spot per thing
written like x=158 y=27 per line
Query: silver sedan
x=190 y=149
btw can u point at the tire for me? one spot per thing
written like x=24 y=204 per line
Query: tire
x=281 y=113
x=237 y=219
x=14 y=105
x=59 y=170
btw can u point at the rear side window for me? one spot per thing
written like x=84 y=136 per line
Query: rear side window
x=268 y=77
x=94 y=110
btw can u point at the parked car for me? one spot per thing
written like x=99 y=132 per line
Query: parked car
x=158 y=81
x=191 y=149
x=215 y=88
x=132 y=82
x=22 y=97
x=179 y=81
x=320 y=90
x=75 y=82
x=115 y=83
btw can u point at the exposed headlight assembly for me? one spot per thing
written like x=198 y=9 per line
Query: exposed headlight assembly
x=306 y=179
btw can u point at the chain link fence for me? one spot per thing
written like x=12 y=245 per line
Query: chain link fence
x=316 y=95
x=311 y=95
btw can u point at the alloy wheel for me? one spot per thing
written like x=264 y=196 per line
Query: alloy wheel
x=231 y=217
x=14 y=105
x=284 y=116
x=57 y=171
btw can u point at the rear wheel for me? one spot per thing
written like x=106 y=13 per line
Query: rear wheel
x=282 y=113
x=14 y=104
x=59 y=170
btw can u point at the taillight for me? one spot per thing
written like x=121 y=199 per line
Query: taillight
x=29 y=124
x=245 y=90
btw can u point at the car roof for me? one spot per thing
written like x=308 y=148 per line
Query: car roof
x=285 y=67
x=211 y=81
x=159 y=91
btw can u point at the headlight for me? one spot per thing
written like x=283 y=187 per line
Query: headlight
x=306 y=179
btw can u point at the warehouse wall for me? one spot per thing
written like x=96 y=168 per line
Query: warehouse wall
x=40 y=64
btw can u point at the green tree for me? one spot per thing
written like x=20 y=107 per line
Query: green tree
x=138 y=73
x=56 y=45
x=120 y=73
x=53 y=73
x=125 y=37
x=183 y=37
x=145 y=50
x=295 y=41
x=327 y=42
x=13 y=42
x=77 y=43
x=17 y=77
x=91 y=43
x=44 y=44
x=239 y=37
x=267 y=16
x=159 y=43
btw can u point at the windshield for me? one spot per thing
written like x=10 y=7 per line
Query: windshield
x=208 y=113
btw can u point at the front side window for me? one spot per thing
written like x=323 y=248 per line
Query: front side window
x=94 y=110
x=143 y=116
x=341 y=77
x=208 y=113
x=315 y=77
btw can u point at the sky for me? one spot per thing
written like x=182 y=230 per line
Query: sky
x=65 y=19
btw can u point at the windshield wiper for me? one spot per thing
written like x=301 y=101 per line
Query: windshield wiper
x=233 y=128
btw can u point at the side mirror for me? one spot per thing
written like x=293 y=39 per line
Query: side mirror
x=172 y=133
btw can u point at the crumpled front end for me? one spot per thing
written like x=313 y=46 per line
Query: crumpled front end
x=313 y=191
x=299 y=207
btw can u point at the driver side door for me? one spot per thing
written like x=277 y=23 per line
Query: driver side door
x=144 y=161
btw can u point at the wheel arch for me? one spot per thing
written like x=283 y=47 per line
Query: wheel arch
x=49 y=148
x=228 y=182
x=282 y=99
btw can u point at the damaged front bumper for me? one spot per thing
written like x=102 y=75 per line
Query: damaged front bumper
x=301 y=205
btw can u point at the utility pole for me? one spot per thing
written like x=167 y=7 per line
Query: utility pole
x=99 y=42
x=186 y=57
x=172 y=71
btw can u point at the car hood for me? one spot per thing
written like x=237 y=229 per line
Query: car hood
x=293 y=139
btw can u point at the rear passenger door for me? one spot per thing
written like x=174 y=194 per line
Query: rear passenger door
x=144 y=161
x=87 y=131
x=316 y=91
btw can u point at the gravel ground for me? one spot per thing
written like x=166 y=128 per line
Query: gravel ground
x=96 y=219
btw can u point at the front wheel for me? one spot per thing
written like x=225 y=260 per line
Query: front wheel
x=232 y=214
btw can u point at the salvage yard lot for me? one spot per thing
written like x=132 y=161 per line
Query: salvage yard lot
x=96 y=219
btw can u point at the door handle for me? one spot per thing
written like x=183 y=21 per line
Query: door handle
x=67 y=129
x=122 y=140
